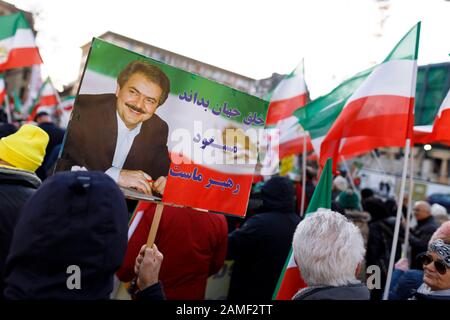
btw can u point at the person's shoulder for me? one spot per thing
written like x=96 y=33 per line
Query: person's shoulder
x=155 y=123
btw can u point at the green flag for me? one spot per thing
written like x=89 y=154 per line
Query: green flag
x=322 y=194
x=290 y=280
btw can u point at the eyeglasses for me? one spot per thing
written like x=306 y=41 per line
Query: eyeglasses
x=440 y=266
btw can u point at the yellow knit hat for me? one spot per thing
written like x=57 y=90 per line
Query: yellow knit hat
x=25 y=149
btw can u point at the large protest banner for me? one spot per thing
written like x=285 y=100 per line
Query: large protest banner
x=200 y=145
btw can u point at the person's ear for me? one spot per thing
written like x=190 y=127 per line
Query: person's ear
x=117 y=90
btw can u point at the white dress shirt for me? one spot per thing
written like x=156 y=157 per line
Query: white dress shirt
x=125 y=138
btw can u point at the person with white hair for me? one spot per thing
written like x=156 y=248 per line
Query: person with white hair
x=329 y=249
x=439 y=213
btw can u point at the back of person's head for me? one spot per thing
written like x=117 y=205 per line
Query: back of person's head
x=340 y=183
x=349 y=200
x=24 y=149
x=278 y=195
x=42 y=116
x=376 y=207
x=439 y=213
x=328 y=249
x=74 y=220
x=6 y=129
x=151 y=72
x=391 y=206
x=366 y=193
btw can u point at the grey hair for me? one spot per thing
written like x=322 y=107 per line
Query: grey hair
x=328 y=248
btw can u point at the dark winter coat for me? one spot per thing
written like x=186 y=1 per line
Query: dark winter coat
x=56 y=136
x=356 y=291
x=16 y=186
x=379 y=245
x=261 y=245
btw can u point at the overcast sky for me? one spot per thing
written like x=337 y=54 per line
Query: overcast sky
x=254 y=38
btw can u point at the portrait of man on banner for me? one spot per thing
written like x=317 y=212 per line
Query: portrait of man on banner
x=120 y=134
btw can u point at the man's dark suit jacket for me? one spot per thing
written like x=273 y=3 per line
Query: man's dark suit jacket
x=92 y=134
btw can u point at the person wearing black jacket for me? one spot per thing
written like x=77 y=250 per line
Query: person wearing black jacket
x=70 y=240
x=421 y=234
x=261 y=245
x=20 y=154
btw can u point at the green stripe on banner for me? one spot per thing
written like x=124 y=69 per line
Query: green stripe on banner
x=402 y=50
x=180 y=81
x=9 y=24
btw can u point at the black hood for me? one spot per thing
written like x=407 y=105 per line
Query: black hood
x=278 y=195
x=74 y=218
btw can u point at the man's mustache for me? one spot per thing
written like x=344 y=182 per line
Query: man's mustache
x=137 y=109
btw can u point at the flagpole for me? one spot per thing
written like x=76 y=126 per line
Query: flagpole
x=302 y=207
x=7 y=109
x=352 y=183
x=408 y=216
x=397 y=220
x=374 y=154
x=411 y=145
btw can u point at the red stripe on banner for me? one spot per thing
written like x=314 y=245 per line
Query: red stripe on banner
x=295 y=146
x=292 y=282
x=21 y=57
x=232 y=199
x=441 y=129
x=282 y=109
x=48 y=101
x=368 y=123
x=356 y=146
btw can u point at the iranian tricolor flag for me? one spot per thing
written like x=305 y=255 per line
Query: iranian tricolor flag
x=441 y=128
x=290 y=94
x=47 y=100
x=318 y=116
x=213 y=131
x=64 y=110
x=380 y=111
x=17 y=44
x=290 y=280
x=2 y=89
x=292 y=138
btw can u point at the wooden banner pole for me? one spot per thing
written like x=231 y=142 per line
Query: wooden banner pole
x=155 y=224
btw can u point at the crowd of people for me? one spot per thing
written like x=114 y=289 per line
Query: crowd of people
x=67 y=236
